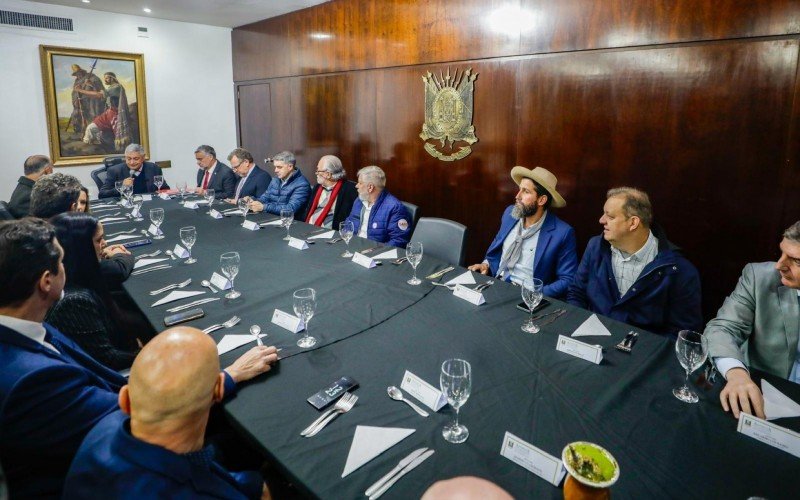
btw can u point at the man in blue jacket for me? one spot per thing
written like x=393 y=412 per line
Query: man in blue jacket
x=532 y=241
x=634 y=274
x=133 y=172
x=376 y=214
x=288 y=189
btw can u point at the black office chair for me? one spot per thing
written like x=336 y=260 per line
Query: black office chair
x=413 y=211
x=99 y=175
x=442 y=238
x=5 y=213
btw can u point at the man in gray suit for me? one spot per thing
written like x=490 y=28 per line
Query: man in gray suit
x=764 y=313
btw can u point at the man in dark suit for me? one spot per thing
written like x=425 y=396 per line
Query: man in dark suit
x=253 y=181
x=134 y=172
x=35 y=167
x=332 y=199
x=213 y=174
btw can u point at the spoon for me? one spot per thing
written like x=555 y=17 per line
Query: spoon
x=397 y=395
x=207 y=284
x=254 y=331
x=171 y=255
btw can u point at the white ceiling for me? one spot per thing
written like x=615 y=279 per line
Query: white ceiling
x=227 y=13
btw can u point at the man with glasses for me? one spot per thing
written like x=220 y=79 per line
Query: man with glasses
x=133 y=172
x=333 y=196
x=253 y=181
x=213 y=174
x=288 y=190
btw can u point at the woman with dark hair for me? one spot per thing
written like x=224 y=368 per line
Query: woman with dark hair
x=86 y=312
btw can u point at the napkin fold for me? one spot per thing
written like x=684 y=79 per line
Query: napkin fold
x=231 y=342
x=276 y=222
x=592 y=327
x=369 y=442
x=391 y=254
x=123 y=237
x=112 y=219
x=323 y=236
x=462 y=279
x=777 y=404
x=146 y=262
x=176 y=295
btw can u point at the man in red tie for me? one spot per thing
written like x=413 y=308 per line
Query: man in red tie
x=213 y=174
x=333 y=197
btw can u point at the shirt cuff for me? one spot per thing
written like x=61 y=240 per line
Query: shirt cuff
x=725 y=364
x=230 y=386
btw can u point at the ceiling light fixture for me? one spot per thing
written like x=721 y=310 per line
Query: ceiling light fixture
x=86 y=1
x=147 y=9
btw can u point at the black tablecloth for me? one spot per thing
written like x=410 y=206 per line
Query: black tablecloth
x=373 y=326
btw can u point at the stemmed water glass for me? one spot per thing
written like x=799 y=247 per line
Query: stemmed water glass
x=346 y=230
x=287 y=217
x=157 y=217
x=244 y=206
x=209 y=196
x=414 y=256
x=137 y=208
x=456 y=383
x=127 y=192
x=229 y=262
x=182 y=191
x=692 y=351
x=305 y=304
x=532 y=295
x=158 y=180
x=188 y=237
x=118 y=187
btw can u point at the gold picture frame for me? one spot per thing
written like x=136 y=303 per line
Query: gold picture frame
x=95 y=103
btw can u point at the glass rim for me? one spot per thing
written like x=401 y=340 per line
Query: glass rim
x=229 y=254
x=684 y=334
x=297 y=293
x=460 y=361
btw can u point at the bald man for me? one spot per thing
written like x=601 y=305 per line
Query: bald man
x=158 y=451
x=465 y=488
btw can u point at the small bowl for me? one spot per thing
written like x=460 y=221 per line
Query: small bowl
x=608 y=464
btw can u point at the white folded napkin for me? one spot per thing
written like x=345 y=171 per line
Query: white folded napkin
x=462 y=279
x=322 y=236
x=231 y=342
x=391 y=254
x=146 y=262
x=271 y=223
x=122 y=237
x=176 y=295
x=777 y=404
x=112 y=219
x=592 y=326
x=232 y=211
x=369 y=442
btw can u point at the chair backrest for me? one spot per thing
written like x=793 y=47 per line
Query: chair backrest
x=5 y=213
x=442 y=239
x=99 y=175
x=413 y=211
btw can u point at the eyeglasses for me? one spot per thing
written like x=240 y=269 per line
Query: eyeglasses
x=320 y=172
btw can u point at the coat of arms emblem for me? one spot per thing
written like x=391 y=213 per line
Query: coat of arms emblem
x=448 y=114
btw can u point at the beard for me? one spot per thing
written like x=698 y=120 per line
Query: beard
x=363 y=197
x=521 y=211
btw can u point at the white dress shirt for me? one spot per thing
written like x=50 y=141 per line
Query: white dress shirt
x=362 y=229
x=627 y=267
x=31 y=329
x=323 y=200
x=523 y=270
x=242 y=181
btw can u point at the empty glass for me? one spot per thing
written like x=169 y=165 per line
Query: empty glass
x=182 y=191
x=137 y=208
x=244 y=206
x=456 y=384
x=305 y=304
x=158 y=180
x=287 y=217
x=157 y=217
x=118 y=187
x=692 y=351
x=229 y=262
x=414 y=256
x=346 y=230
x=532 y=295
x=209 y=196
x=127 y=192
x=188 y=237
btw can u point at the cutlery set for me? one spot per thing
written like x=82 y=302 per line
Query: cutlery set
x=228 y=324
x=404 y=467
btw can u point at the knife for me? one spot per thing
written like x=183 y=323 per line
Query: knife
x=148 y=269
x=410 y=458
x=402 y=473
x=439 y=274
x=192 y=304
x=555 y=317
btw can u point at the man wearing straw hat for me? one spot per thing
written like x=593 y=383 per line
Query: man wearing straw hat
x=532 y=241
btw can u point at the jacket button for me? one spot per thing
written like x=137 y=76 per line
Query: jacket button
x=633 y=289
x=674 y=268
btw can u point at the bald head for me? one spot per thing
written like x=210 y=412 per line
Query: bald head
x=466 y=488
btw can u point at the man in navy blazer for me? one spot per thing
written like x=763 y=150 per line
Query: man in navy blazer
x=253 y=181
x=213 y=174
x=134 y=172
x=532 y=241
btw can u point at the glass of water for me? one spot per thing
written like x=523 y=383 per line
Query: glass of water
x=692 y=351
x=229 y=262
x=414 y=256
x=305 y=304
x=188 y=237
x=137 y=208
x=287 y=217
x=182 y=186
x=158 y=180
x=244 y=206
x=209 y=196
x=346 y=230
x=455 y=381
x=157 y=217
x=532 y=295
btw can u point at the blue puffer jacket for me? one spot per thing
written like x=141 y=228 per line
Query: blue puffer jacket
x=389 y=221
x=292 y=195
x=664 y=299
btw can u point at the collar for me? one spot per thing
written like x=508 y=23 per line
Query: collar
x=25 y=181
x=640 y=254
x=30 y=329
x=135 y=173
x=211 y=169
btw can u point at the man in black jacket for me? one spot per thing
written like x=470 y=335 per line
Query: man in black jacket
x=35 y=167
x=134 y=172
x=213 y=174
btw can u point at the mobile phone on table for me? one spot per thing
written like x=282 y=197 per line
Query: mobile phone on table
x=183 y=316
x=524 y=307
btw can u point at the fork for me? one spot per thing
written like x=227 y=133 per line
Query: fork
x=344 y=405
x=219 y=326
x=484 y=286
x=153 y=254
x=172 y=287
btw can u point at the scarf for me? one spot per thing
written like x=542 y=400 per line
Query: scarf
x=327 y=208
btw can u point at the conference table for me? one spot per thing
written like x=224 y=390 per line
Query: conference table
x=372 y=326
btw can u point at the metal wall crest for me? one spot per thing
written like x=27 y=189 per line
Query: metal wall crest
x=448 y=114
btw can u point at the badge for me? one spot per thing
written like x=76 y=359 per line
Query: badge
x=374 y=225
x=448 y=114
x=402 y=224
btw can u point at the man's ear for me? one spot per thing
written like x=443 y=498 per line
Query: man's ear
x=124 y=399
x=45 y=282
x=219 y=388
x=635 y=222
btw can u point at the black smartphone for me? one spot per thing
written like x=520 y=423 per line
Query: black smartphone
x=328 y=395
x=184 y=316
x=524 y=308
x=137 y=243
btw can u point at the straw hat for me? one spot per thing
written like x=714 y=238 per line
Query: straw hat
x=544 y=178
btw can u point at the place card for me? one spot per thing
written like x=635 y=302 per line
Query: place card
x=220 y=281
x=593 y=353
x=251 y=225
x=470 y=295
x=769 y=433
x=287 y=321
x=529 y=457
x=429 y=395
x=155 y=231
x=191 y=204
x=215 y=214
x=297 y=243
x=180 y=252
x=362 y=260
x=147 y=197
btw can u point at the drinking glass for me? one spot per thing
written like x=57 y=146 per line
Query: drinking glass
x=414 y=256
x=209 y=196
x=346 y=230
x=182 y=186
x=305 y=303
x=531 y=295
x=118 y=187
x=287 y=217
x=137 y=208
x=157 y=217
x=127 y=192
x=692 y=351
x=229 y=262
x=244 y=206
x=158 y=180
x=188 y=237
x=456 y=383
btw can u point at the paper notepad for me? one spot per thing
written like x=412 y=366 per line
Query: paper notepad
x=777 y=404
x=592 y=326
x=462 y=279
x=391 y=254
x=176 y=295
x=231 y=342
x=369 y=442
x=146 y=262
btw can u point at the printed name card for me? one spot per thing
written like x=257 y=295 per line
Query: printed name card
x=287 y=321
x=541 y=463
x=297 y=243
x=769 y=433
x=251 y=225
x=593 y=353
x=180 y=252
x=191 y=204
x=220 y=281
x=429 y=395
x=136 y=212
x=164 y=196
x=468 y=294
x=362 y=260
x=215 y=214
x=147 y=197
x=154 y=230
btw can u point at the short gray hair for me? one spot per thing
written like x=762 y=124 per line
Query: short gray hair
x=206 y=150
x=54 y=194
x=285 y=157
x=792 y=233
x=333 y=165
x=134 y=148
x=242 y=154
x=373 y=175
x=636 y=203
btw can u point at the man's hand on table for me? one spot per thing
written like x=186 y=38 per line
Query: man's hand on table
x=482 y=268
x=741 y=394
x=254 y=362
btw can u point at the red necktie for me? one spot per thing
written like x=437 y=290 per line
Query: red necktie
x=205 y=180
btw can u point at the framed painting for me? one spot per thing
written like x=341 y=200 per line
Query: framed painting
x=95 y=103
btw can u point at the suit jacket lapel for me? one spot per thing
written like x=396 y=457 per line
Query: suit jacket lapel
x=791 y=318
